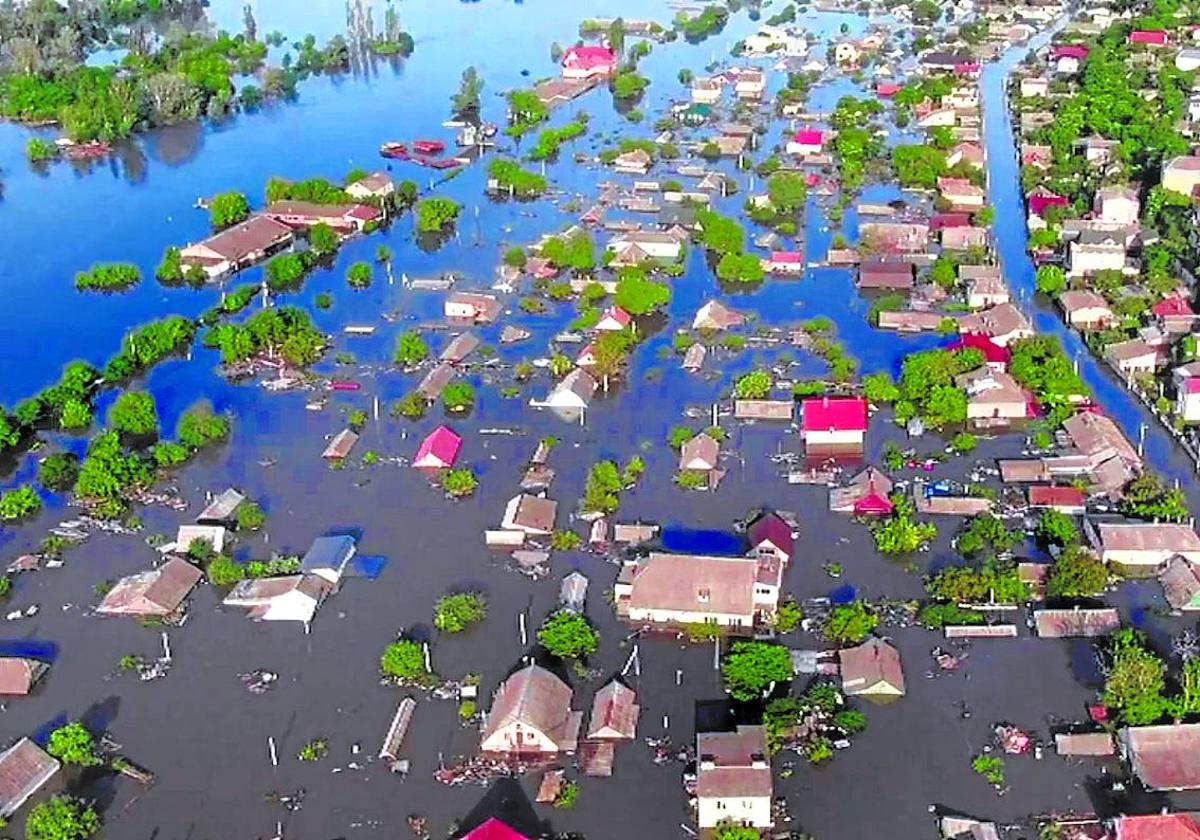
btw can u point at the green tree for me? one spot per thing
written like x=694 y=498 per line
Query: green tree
x=61 y=818
x=58 y=471
x=787 y=191
x=850 y=623
x=228 y=208
x=455 y=613
x=459 y=482
x=323 y=239
x=878 y=388
x=250 y=516
x=359 y=275
x=919 y=166
x=1057 y=528
x=629 y=84
x=134 y=414
x=604 y=483
x=729 y=830
x=1148 y=497
x=436 y=214
x=19 y=503
x=466 y=101
x=73 y=744
x=199 y=426
x=1051 y=280
x=943 y=272
x=1077 y=573
x=755 y=385
x=458 y=397
x=411 y=349
x=638 y=295
x=405 y=661
x=1136 y=679
x=568 y=635
x=751 y=667
x=900 y=533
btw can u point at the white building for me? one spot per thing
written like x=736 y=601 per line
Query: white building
x=733 y=778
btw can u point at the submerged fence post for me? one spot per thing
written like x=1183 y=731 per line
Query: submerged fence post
x=274 y=755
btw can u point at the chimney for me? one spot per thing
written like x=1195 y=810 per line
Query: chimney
x=758 y=761
x=708 y=762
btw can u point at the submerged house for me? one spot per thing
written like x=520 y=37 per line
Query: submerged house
x=834 y=423
x=614 y=713
x=1143 y=545
x=1180 y=581
x=344 y=218
x=733 y=778
x=24 y=769
x=286 y=598
x=438 y=451
x=18 y=674
x=237 y=247
x=157 y=593
x=572 y=396
x=770 y=535
x=716 y=316
x=531 y=716
x=530 y=514
x=676 y=589
x=865 y=495
x=328 y=557
x=1164 y=757
x=872 y=669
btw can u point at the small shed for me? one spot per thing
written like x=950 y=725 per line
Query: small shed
x=700 y=453
x=341 y=445
x=573 y=593
x=461 y=347
x=221 y=510
x=1084 y=743
x=397 y=729
x=1077 y=622
x=328 y=557
x=764 y=409
x=693 y=359
x=214 y=535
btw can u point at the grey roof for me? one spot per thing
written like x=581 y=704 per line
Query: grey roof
x=328 y=553
x=221 y=509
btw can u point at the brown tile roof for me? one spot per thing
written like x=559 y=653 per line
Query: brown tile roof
x=695 y=583
x=158 y=592
x=728 y=763
x=870 y=664
x=534 y=698
x=1164 y=757
x=1147 y=536
x=24 y=768
x=1061 y=624
x=1099 y=437
x=256 y=234
x=614 y=712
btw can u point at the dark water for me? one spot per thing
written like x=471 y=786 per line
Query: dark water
x=198 y=729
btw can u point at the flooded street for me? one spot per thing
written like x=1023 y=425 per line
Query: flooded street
x=206 y=737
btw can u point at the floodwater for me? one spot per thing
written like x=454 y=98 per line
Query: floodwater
x=198 y=729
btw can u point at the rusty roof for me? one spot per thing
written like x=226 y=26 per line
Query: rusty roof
x=1061 y=624
x=18 y=674
x=1164 y=757
x=533 y=698
x=614 y=712
x=157 y=592
x=733 y=764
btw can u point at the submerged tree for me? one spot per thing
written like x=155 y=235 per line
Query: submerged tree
x=466 y=100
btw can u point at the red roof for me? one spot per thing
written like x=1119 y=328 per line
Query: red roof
x=365 y=212
x=493 y=829
x=1171 y=305
x=887 y=88
x=439 y=449
x=1069 y=51
x=810 y=137
x=966 y=67
x=586 y=58
x=1148 y=36
x=789 y=257
x=842 y=414
x=1158 y=827
x=1040 y=199
x=941 y=221
x=1055 y=497
x=617 y=314
x=1192 y=385
x=993 y=353
x=874 y=503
